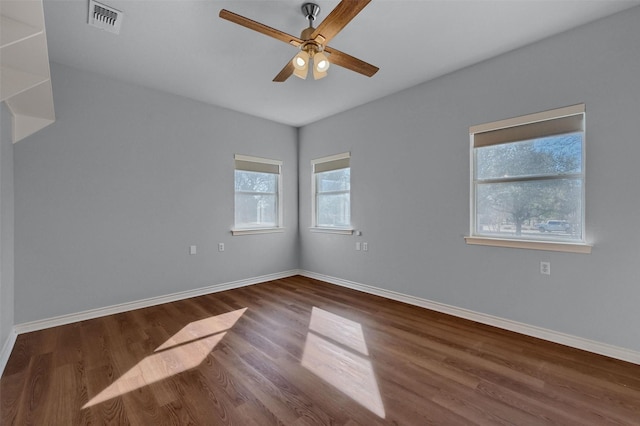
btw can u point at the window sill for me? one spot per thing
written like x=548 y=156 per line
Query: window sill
x=252 y=231
x=531 y=245
x=343 y=231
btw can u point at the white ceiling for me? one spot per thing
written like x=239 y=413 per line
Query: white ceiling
x=183 y=47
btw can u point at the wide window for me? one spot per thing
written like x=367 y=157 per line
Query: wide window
x=332 y=193
x=257 y=194
x=527 y=180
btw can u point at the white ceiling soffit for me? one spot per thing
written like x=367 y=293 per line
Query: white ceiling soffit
x=183 y=47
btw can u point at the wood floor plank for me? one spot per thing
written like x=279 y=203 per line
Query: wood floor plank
x=263 y=393
x=66 y=396
x=111 y=410
x=300 y=352
x=34 y=402
x=12 y=390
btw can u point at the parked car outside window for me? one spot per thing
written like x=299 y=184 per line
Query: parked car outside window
x=555 y=226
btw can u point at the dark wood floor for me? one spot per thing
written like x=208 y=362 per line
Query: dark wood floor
x=302 y=352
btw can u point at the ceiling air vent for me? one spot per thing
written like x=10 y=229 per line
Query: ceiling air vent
x=104 y=17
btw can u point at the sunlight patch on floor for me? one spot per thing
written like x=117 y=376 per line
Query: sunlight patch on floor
x=335 y=350
x=181 y=352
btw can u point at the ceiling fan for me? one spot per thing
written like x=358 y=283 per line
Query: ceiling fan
x=313 y=41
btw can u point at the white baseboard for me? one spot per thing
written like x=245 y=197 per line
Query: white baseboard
x=7 y=348
x=526 y=329
x=145 y=303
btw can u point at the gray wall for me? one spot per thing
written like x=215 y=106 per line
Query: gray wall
x=410 y=187
x=6 y=225
x=110 y=197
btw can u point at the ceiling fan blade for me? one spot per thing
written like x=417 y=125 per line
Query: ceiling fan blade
x=261 y=28
x=349 y=62
x=339 y=17
x=286 y=72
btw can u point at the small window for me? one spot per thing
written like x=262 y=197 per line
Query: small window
x=527 y=178
x=332 y=193
x=257 y=194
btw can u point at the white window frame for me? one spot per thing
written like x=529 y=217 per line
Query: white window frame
x=540 y=125
x=325 y=164
x=265 y=165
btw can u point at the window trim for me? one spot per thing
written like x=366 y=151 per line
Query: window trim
x=530 y=244
x=254 y=231
x=548 y=123
x=325 y=164
x=261 y=165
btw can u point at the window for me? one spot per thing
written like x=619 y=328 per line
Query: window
x=527 y=181
x=332 y=193
x=257 y=195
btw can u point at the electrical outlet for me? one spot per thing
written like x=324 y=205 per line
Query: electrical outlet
x=545 y=268
x=365 y=246
x=220 y=246
x=192 y=250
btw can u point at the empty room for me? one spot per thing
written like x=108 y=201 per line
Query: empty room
x=332 y=213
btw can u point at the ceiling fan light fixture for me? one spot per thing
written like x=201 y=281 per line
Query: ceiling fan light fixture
x=320 y=62
x=317 y=75
x=320 y=65
x=301 y=61
x=300 y=73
